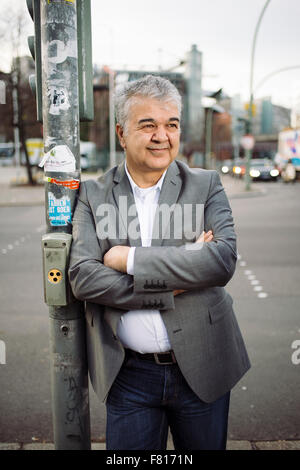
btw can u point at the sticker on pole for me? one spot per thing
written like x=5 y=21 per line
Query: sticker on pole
x=247 y=142
x=59 y=210
x=59 y=159
x=59 y=100
x=70 y=184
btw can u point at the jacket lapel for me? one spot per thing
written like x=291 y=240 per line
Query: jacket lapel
x=169 y=195
x=124 y=200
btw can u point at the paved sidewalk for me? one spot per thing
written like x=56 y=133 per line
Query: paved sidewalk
x=231 y=445
x=15 y=192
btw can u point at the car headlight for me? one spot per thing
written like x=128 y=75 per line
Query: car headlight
x=274 y=172
x=225 y=169
x=254 y=173
x=237 y=170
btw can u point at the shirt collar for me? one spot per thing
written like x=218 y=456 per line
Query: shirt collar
x=136 y=188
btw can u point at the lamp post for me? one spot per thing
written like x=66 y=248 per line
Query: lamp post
x=250 y=113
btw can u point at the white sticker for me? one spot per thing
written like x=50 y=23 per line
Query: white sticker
x=58 y=51
x=59 y=100
x=59 y=158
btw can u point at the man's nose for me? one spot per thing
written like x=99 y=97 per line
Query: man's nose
x=160 y=134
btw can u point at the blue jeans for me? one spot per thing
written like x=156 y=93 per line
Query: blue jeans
x=146 y=398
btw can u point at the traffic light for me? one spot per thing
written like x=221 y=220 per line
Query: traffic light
x=34 y=43
x=85 y=66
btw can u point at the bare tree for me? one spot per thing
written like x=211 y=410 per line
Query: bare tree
x=14 y=25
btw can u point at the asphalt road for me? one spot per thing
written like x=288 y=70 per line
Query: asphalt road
x=265 y=404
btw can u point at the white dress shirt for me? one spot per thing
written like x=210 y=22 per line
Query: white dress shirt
x=143 y=330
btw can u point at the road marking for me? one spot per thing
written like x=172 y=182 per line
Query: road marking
x=254 y=282
x=10 y=247
x=4 y=251
x=41 y=228
x=262 y=295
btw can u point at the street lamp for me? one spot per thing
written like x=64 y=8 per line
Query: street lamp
x=250 y=114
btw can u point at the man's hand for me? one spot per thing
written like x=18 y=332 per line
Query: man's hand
x=204 y=237
x=116 y=258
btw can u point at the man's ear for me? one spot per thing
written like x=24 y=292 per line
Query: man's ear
x=120 y=134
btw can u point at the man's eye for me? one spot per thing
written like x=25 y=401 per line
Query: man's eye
x=173 y=125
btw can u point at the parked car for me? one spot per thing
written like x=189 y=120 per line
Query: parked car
x=88 y=156
x=263 y=169
x=7 y=152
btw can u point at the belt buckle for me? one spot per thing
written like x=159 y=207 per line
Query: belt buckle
x=165 y=363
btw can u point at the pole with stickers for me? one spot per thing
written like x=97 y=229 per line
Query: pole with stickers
x=64 y=30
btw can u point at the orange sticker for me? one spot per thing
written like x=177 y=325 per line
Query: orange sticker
x=70 y=184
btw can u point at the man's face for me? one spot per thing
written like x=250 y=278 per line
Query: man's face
x=152 y=136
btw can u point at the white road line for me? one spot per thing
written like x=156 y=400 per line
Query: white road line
x=10 y=247
x=41 y=228
x=247 y=271
x=4 y=251
x=262 y=295
x=251 y=277
x=243 y=263
x=254 y=282
x=257 y=288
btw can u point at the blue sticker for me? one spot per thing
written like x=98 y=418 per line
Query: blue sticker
x=59 y=210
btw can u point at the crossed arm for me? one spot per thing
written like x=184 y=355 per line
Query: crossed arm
x=101 y=277
x=116 y=257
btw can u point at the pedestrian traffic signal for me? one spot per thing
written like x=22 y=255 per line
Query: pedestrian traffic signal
x=34 y=43
x=85 y=65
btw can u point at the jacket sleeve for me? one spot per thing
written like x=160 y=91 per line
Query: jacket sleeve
x=92 y=281
x=207 y=265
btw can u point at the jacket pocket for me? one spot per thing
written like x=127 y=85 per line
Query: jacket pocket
x=219 y=310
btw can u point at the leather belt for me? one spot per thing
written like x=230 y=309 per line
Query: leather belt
x=163 y=358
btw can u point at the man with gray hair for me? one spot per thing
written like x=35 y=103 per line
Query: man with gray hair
x=164 y=346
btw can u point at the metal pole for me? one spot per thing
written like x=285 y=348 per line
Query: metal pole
x=208 y=137
x=250 y=113
x=69 y=378
x=112 y=131
x=16 y=124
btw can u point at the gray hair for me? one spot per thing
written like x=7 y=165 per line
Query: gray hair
x=149 y=86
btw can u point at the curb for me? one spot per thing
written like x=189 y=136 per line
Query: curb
x=22 y=204
x=231 y=445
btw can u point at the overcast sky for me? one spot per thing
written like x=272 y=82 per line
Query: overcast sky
x=159 y=33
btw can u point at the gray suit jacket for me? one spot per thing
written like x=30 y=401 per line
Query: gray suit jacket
x=200 y=322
